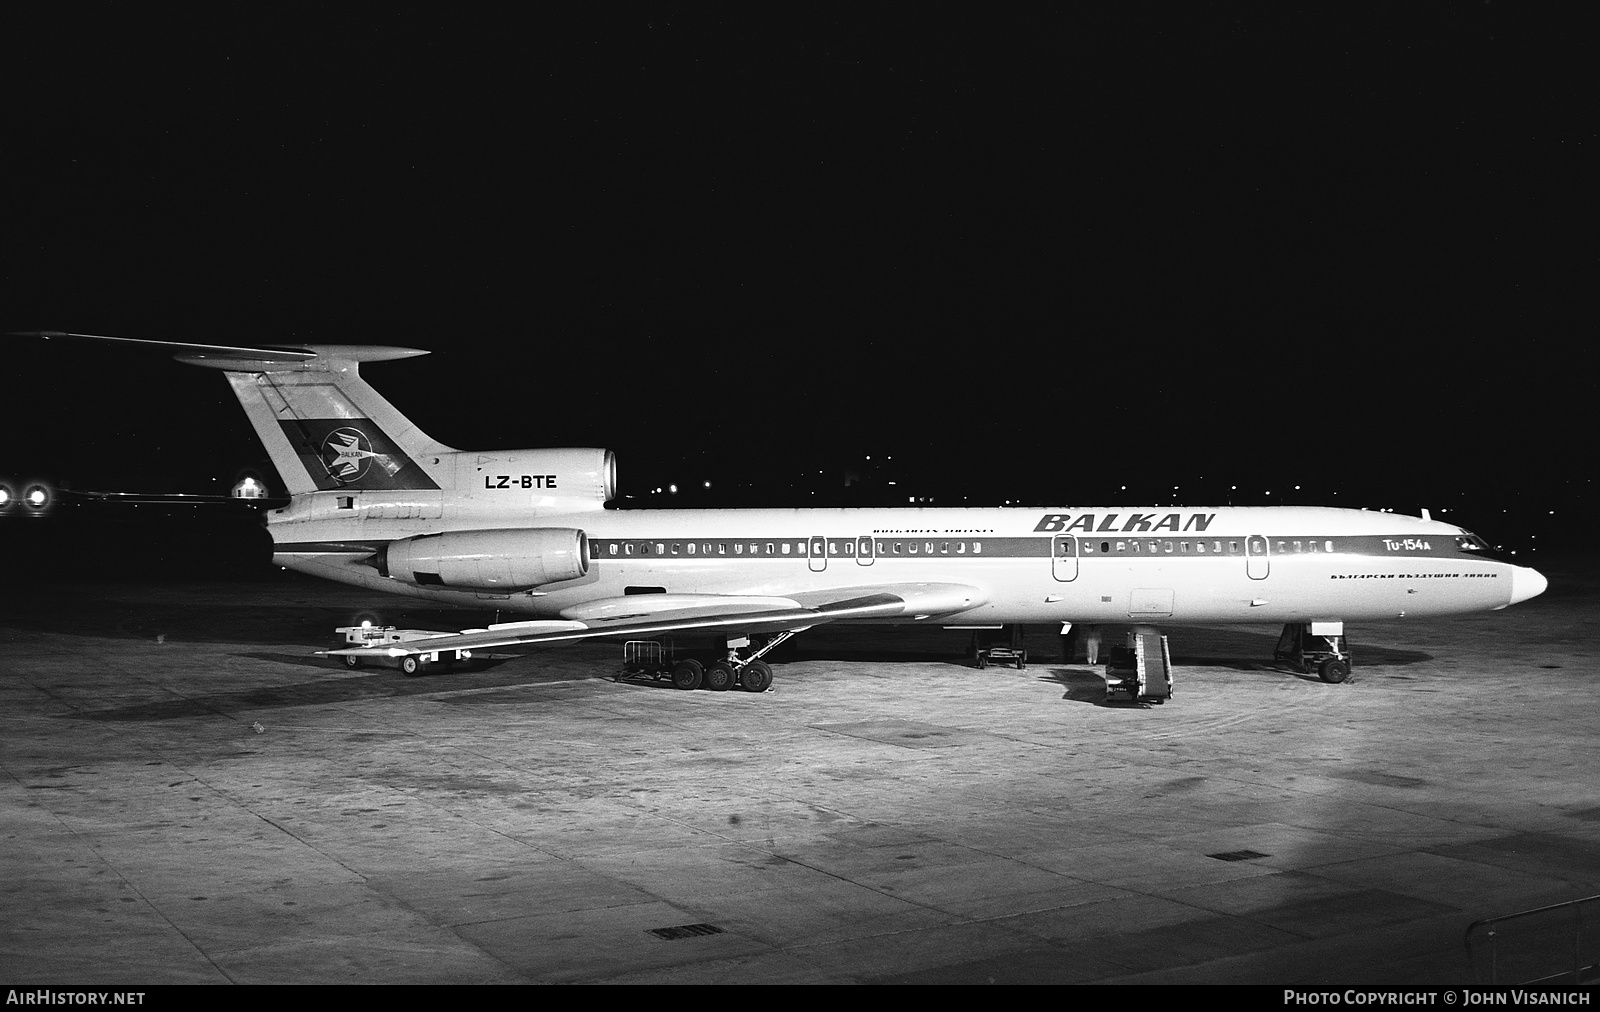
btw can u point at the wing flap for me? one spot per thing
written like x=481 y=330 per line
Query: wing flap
x=920 y=600
x=677 y=605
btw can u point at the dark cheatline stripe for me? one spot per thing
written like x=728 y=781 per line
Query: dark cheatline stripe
x=1121 y=546
x=1036 y=547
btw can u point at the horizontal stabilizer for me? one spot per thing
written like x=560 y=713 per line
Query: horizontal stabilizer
x=238 y=358
x=323 y=426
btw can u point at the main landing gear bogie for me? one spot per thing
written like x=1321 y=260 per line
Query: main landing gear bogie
x=722 y=675
x=656 y=659
x=732 y=664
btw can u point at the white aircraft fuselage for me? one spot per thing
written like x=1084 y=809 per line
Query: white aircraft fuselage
x=1098 y=565
x=377 y=503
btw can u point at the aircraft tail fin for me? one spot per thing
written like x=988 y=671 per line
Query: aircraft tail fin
x=323 y=426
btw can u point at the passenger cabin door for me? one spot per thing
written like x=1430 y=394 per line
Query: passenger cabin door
x=1064 y=557
x=1257 y=557
x=817 y=554
x=864 y=551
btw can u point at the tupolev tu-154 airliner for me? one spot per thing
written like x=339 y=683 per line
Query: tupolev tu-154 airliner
x=377 y=503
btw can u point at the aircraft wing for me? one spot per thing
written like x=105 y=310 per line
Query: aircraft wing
x=656 y=614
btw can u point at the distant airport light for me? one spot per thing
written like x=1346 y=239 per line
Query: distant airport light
x=36 y=497
x=5 y=497
x=248 y=488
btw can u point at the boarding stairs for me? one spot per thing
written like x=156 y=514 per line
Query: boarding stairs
x=1142 y=673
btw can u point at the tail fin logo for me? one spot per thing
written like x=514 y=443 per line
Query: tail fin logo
x=348 y=455
x=351 y=453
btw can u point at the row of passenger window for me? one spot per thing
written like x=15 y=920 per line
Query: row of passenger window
x=1151 y=546
x=815 y=547
x=869 y=547
x=1154 y=547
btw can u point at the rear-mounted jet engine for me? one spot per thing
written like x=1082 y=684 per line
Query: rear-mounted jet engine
x=502 y=560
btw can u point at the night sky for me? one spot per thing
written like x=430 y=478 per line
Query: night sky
x=1029 y=255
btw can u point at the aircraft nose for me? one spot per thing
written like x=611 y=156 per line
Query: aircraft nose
x=1526 y=583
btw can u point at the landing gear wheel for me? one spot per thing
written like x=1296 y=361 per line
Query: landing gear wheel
x=411 y=665
x=688 y=674
x=351 y=661
x=721 y=675
x=756 y=677
x=1334 y=670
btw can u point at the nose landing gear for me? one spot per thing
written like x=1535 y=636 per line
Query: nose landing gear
x=1316 y=646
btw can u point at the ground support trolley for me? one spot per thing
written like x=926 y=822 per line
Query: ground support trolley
x=368 y=635
x=1013 y=652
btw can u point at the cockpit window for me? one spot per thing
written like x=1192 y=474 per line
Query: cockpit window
x=1469 y=543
